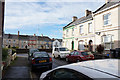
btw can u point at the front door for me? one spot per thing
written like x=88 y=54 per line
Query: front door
x=72 y=45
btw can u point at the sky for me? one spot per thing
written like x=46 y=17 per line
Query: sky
x=47 y=17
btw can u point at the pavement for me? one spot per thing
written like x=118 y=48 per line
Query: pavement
x=18 y=69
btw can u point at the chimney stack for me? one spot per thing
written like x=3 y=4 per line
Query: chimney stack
x=87 y=12
x=74 y=18
x=42 y=35
x=106 y=1
x=34 y=35
x=18 y=33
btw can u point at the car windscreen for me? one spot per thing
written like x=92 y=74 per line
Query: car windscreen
x=64 y=49
x=84 y=53
x=40 y=54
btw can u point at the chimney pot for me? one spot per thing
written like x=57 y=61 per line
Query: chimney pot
x=42 y=35
x=88 y=12
x=34 y=34
x=74 y=18
x=18 y=33
x=106 y=1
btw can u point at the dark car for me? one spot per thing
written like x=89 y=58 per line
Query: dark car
x=31 y=51
x=77 y=56
x=40 y=60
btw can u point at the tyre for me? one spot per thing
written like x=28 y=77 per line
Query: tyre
x=53 y=56
x=78 y=60
x=67 y=60
x=59 y=57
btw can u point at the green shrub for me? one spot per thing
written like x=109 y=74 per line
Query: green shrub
x=4 y=53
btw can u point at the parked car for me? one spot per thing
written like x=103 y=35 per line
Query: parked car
x=105 y=69
x=40 y=60
x=77 y=56
x=60 y=52
x=31 y=51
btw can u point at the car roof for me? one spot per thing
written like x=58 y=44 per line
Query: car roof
x=105 y=68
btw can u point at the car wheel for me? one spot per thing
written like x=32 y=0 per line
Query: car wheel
x=53 y=55
x=67 y=59
x=78 y=60
x=59 y=57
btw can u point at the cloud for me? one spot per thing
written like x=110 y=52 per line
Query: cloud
x=28 y=13
x=56 y=0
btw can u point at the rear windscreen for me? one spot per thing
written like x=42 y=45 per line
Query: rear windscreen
x=84 y=53
x=41 y=55
x=64 y=49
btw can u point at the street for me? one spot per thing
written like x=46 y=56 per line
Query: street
x=20 y=68
x=56 y=62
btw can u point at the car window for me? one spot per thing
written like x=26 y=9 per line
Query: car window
x=40 y=54
x=76 y=53
x=56 y=49
x=64 y=49
x=72 y=53
x=84 y=53
x=89 y=53
x=66 y=74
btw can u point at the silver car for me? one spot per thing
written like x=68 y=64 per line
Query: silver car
x=105 y=69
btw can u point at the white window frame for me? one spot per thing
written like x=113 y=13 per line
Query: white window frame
x=81 y=29
x=72 y=31
x=108 y=39
x=90 y=28
x=67 y=32
x=108 y=19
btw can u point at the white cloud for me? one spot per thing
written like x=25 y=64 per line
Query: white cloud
x=56 y=0
x=32 y=13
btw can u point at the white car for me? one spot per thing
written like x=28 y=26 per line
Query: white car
x=105 y=69
x=60 y=52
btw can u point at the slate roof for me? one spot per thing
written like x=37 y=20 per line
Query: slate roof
x=43 y=38
x=60 y=40
x=80 y=20
x=23 y=37
x=10 y=36
x=106 y=5
x=84 y=19
x=26 y=37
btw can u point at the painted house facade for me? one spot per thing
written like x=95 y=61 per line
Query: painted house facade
x=95 y=28
x=57 y=43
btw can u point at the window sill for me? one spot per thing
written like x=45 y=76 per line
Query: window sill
x=107 y=25
x=81 y=33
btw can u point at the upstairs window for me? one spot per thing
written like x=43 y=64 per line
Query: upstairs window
x=90 y=28
x=67 y=33
x=72 y=31
x=107 y=19
x=81 y=29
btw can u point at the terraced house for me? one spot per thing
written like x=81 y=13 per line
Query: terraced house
x=26 y=41
x=95 y=28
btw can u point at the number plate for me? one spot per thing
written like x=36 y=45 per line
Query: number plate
x=42 y=61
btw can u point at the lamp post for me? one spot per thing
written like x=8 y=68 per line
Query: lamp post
x=1 y=33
